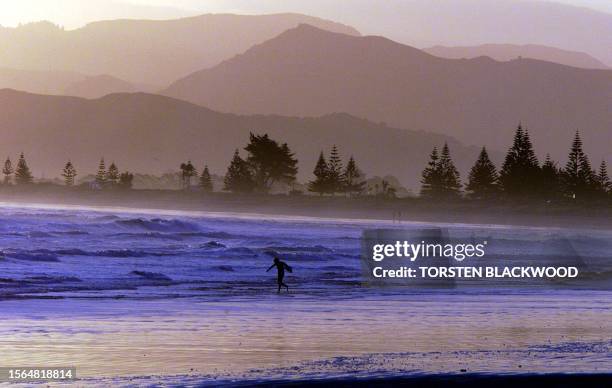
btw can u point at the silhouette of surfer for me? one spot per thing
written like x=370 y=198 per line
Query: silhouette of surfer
x=280 y=268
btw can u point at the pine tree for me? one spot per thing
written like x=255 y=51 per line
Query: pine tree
x=23 y=174
x=320 y=184
x=482 y=181
x=520 y=172
x=578 y=177
x=69 y=173
x=101 y=175
x=603 y=181
x=550 y=185
x=431 y=180
x=206 y=180
x=451 y=182
x=335 y=178
x=353 y=178
x=8 y=171
x=239 y=177
x=112 y=176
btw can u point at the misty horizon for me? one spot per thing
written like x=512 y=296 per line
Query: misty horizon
x=382 y=19
x=225 y=62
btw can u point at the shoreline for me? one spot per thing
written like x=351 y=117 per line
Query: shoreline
x=534 y=214
x=435 y=380
x=459 y=379
x=122 y=279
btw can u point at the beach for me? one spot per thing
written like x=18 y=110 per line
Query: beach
x=177 y=297
x=565 y=213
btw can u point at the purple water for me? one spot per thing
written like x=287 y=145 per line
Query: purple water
x=140 y=293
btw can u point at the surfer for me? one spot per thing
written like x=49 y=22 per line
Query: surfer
x=280 y=268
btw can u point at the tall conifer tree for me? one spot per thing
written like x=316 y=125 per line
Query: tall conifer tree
x=22 y=173
x=69 y=173
x=7 y=170
x=482 y=181
x=239 y=177
x=320 y=184
x=603 y=180
x=101 y=175
x=112 y=176
x=578 y=177
x=336 y=181
x=206 y=181
x=431 y=179
x=353 y=178
x=451 y=181
x=520 y=172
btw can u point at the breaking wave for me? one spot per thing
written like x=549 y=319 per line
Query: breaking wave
x=159 y=225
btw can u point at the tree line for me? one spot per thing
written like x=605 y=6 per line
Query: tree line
x=188 y=171
x=331 y=177
x=110 y=178
x=269 y=162
x=21 y=175
x=520 y=176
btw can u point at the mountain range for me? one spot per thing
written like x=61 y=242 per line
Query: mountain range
x=153 y=52
x=66 y=83
x=149 y=133
x=385 y=102
x=426 y=23
x=307 y=71
x=508 y=52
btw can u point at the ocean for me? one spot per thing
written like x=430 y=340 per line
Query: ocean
x=140 y=297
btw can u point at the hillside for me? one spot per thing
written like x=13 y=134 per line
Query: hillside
x=38 y=81
x=148 y=133
x=66 y=83
x=310 y=72
x=426 y=23
x=508 y=52
x=101 y=85
x=144 y=51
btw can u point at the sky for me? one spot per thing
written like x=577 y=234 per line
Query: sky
x=75 y=13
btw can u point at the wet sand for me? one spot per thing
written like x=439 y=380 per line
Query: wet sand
x=150 y=298
x=289 y=336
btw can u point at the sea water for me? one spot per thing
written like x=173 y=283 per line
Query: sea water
x=151 y=293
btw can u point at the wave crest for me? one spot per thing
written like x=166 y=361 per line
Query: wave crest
x=159 y=224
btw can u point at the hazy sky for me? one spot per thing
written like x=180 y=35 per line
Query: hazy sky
x=75 y=13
